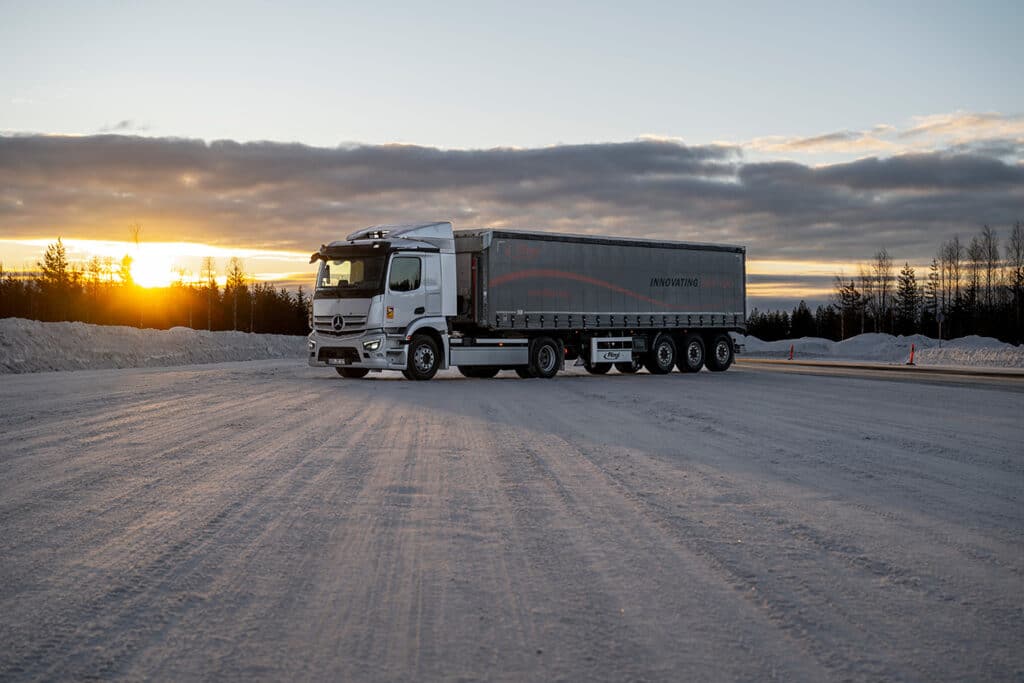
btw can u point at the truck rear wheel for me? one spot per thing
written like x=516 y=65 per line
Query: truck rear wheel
x=545 y=357
x=721 y=355
x=662 y=356
x=692 y=357
x=424 y=358
x=353 y=373
x=478 y=371
x=524 y=372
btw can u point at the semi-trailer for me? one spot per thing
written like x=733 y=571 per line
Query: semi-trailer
x=419 y=298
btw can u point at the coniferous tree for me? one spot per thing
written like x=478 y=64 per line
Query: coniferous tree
x=802 y=322
x=908 y=301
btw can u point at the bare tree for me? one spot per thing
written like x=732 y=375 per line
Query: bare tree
x=868 y=295
x=990 y=255
x=1015 y=264
x=135 y=229
x=951 y=256
x=883 y=275
x=209 y=277
x=975 y=266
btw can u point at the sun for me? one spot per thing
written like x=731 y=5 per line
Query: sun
x=152 y=270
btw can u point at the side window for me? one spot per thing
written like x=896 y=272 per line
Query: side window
x=405 y=274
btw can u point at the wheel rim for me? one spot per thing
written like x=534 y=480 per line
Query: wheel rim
x=423 y=358
x=693 y=354
x=722 y=352
x=546 y=359
x=664 y=354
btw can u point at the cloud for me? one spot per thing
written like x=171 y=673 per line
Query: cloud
x=841 y=142
x=124 y=126
x=965 y=131
x=291 y=196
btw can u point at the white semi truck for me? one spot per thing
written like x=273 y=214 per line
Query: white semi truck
x=419 y=298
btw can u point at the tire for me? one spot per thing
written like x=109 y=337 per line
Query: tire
x=524 y=372
x=478 y=371
x=662 y=356
x=424 y=358
x=545 y=357
x=353 y=373
x=597 y=368
x=721 y=355
x=405 y=374
x=630 y=367
x=692 y=357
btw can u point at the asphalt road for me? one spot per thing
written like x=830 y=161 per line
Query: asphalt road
x=266 y=520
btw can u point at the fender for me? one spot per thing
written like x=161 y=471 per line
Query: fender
x=436 y=323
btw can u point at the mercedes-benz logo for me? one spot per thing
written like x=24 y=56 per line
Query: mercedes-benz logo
x=338 y=323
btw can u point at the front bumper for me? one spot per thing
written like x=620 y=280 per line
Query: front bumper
x=372 y=349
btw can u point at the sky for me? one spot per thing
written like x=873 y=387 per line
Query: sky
x=813 y=133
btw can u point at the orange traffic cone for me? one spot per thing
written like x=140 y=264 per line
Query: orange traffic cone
x=911 y=361
x=791 y=352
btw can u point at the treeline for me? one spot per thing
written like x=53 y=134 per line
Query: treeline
x=972 y=288
x=100 y=294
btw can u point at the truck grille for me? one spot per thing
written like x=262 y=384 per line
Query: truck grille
x=353 y=324
x=340 y=354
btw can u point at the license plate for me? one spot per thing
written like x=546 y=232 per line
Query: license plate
x=338 y=361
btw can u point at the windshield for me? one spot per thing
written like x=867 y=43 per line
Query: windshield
x=350 y=277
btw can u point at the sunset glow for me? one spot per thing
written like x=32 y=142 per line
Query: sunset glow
x=153 y=270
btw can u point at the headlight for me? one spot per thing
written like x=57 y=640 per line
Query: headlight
x=371 y=345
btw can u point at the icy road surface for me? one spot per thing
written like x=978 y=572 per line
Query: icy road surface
x=266 y=520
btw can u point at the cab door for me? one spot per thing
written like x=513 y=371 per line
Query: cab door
x=405 y=298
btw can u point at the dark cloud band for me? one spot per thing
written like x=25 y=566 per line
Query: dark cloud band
x=292 y=196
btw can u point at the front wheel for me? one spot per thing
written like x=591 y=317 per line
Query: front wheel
x=662 y=356
x=721 y=355
x=424 y=358
x=353 y=373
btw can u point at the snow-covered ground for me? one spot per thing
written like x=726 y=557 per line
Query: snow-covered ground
x=270 y=521
x=33 y=346
x=972 y=351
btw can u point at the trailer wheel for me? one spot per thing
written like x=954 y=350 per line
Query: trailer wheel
x=478 y=371
x=721 y=355
x=662 y=356
x=353 y=373
x=629 y=367
x=545 y=357
x=424 y=359
x=693 y=354
x=524 y=372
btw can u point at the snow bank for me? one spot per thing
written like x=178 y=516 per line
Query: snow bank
x=32 y=346
x=971 y=351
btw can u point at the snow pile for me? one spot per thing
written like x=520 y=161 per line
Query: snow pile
x=32 y=346
x=972 y=351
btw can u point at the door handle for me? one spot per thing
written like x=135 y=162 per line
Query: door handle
x=420 y=310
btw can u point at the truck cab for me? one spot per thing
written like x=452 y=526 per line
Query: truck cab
x=379 y=289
